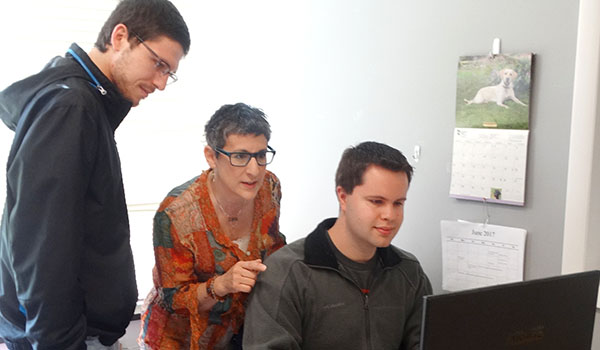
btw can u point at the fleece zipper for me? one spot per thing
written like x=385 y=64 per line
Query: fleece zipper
x=364 y=296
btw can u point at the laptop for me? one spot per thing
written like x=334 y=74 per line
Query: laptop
x=555 y=313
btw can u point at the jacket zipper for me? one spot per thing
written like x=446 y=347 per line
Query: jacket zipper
x=366 y=304
x=365 y=298
x=97 y=85
x=367 y=319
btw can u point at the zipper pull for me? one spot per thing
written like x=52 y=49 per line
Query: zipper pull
x=366 y=298
x=101 y=89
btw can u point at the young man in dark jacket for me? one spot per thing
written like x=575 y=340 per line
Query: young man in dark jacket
x=66 y=267
x=345 y=286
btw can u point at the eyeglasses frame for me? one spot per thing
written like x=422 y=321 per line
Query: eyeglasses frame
x=252 y=155
x=159 y=60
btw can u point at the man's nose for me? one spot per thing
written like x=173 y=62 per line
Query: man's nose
x=160 y=81
x=389 y=212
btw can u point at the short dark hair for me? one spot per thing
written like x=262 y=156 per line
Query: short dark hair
x=355 y=161
x=238 y=118
x=147 y=18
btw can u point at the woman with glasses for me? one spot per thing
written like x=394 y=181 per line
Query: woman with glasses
x=210 y=236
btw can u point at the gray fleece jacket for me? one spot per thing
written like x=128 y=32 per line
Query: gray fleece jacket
x=305 y=301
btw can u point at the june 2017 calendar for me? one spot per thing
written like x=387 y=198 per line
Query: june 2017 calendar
x=479 y=255
x=489 y=164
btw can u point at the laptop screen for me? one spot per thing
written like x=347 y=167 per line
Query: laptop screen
x=546 y=314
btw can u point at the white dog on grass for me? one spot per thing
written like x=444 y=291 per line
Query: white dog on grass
x=498 y=93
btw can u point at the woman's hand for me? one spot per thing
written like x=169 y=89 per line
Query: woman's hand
x=241 y=277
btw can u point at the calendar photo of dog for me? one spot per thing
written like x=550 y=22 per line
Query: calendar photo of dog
x=494 y=92
x=499 y=93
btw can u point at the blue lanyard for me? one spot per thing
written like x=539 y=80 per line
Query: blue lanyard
x=78 y=59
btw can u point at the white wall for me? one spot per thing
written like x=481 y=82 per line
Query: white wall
x=582 y=232
x=330 y=74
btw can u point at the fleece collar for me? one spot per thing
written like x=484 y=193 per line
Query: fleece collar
x=318 y=252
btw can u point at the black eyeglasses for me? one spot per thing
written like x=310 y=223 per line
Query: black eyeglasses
x=242 y=159
x=163 y=67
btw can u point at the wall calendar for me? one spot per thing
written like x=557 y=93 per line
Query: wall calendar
x=492 y=128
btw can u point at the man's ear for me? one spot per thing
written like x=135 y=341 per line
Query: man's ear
x=119 y=37
x=342 y=197
x=210 y=156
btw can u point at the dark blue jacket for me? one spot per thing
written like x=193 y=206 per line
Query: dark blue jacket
x=66 y=266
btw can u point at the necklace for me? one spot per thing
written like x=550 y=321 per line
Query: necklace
x=230 y=218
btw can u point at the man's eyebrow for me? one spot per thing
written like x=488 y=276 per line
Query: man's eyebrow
x=377 y=196
x=246 y=151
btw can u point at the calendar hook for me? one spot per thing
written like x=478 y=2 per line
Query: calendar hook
x=487 y=212
x=495 y=48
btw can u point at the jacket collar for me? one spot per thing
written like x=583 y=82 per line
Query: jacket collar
x=15 y=98
x=318 y=252
x=115 y=104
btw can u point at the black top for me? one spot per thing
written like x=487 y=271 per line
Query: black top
x=66 y=266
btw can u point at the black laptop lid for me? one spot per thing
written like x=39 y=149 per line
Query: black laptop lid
x=555 y=313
